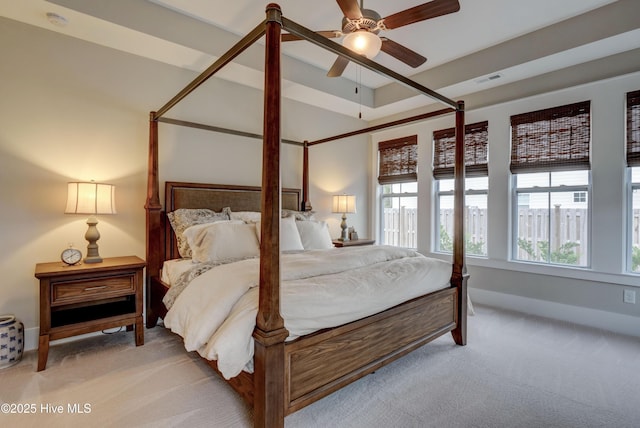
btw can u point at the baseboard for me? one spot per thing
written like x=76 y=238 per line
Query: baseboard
x=618 y=323
x=31 y=338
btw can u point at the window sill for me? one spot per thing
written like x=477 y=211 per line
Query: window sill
x=585 y=274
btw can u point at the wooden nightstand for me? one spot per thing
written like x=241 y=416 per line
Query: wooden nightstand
x=354 y=242
x=89 y=297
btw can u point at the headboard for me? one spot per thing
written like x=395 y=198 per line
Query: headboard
x=214 y=197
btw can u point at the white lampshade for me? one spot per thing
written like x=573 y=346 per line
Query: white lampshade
x=90 y=198
x=363 y=42
x=344 y=204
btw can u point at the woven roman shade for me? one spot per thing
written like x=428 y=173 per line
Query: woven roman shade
x=554 y=139
x=633 y=128
x=476 y=139
x=398 y=160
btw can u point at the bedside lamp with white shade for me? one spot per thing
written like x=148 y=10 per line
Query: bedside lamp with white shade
x=345 y=204
x=91 y=198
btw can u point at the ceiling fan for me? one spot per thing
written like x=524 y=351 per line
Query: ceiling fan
x=361 y=28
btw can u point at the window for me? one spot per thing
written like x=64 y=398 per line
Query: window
x=634 y=217
x=551 y=185
x=400 y=214
x=633 y=162
x=398 y=178
x=579 y=197
x=476 y=190
x=476 y=187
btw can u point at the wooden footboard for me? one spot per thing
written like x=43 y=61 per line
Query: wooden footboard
x=321 y=363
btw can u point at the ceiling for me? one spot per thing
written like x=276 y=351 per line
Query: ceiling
x=490 y=51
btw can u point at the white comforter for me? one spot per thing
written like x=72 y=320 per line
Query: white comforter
x=216 y=313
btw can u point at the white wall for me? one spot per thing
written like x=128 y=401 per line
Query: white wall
x=598 y=288
x=72 y=110
x=339 y=167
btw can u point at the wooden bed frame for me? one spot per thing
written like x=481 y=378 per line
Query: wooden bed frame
x=288 y=376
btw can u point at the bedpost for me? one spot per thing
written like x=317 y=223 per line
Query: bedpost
x=305 y=204
x=270 y=333
x=153 y=219
x=459 y=274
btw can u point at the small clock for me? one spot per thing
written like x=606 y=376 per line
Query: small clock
x=71 y=256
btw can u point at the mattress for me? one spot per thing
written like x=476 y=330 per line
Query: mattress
x=172 y=270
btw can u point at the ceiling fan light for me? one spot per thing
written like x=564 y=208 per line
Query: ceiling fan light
x=363 y=42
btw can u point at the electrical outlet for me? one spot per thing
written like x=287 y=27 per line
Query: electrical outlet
x=629 y=296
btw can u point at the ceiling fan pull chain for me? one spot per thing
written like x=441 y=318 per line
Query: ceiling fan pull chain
x=359 y=90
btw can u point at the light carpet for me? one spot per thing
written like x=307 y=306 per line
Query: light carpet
x=516 y=371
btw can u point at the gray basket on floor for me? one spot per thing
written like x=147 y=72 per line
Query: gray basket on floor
x=11 y=340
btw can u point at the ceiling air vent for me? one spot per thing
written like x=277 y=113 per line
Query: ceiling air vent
x=490 y=78
x=57 y=20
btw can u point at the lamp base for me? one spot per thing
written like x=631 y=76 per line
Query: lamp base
x=92 y=236
x=343 y=225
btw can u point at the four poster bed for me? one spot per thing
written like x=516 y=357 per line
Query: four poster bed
x=290 y=374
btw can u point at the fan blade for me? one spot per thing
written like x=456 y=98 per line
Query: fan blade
x=402 y=53
x=287 y=37
x=338 y=67
x=350 y=8
x=419 y=13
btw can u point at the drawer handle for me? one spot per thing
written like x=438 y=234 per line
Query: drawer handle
x=99 y=287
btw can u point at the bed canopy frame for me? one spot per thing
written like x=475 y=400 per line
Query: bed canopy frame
x=270 y=392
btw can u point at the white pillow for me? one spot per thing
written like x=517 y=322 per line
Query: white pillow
x=191 y=232
x=254 y=216
x=246 y=216
x=183 y=218
x=222 y=241
x=314 y=235
x=299 y=215
x=289 y=236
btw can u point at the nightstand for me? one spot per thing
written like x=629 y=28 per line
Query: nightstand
x=89 y=297
x=363 y=241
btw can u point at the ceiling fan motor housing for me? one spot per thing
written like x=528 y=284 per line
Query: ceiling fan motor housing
x=369 y=22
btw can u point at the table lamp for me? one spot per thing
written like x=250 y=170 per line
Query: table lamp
x=345 y=204
x=91 y=198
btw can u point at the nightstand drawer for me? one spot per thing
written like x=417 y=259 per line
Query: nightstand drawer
x=64 y=293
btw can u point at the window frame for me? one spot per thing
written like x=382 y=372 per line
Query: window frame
x=467 y=192
x=476 y=164
x=392 y=195
x=547 y=141
x=632 y=119
x=631 y=186
x=586 y=188
x=397 y=165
